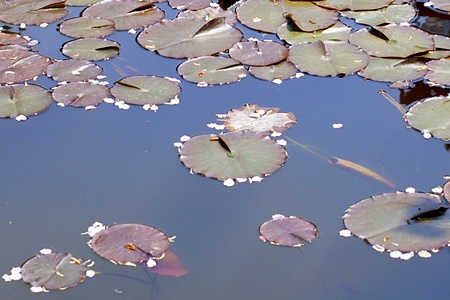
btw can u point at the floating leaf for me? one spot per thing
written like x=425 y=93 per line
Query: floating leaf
x=392 y=40
x=431 y=116
x=126 y=14
x=446 y=190
x=8 y=38
x=170 y=265
x=80 y=94
x=275 y=73
x=21 y=99
x=288 y=231
x=293 y=35
x=400 y=221
x=73 y=70
x=354 y=4
x=143 y=90
x=394 y=69
x=258 y=119
x=258 y=53
x=189 y=37
x=232 y=155
x=81 y=2
x=212 y=70
x=440 y=4
x=210 y=13
x=391 y=14
x=328 y=58
x=32 y=12
x=189 y=4
x=439 y=71
x=128 y=244
x=87 y=27
x=91 y=49
x=53 y=271
x=19 y=64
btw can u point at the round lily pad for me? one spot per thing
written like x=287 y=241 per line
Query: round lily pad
x=394 y=69
x=294 y=35
x=130 y=243
x=354 y=4
x=232 y=155
x=288 y=231
x=391 y=14
x=80 y=94
x=91 y=49
x=32 y=12
x=73 y=70
x=87 y=27
x=20 y=64
x=54 y=271
x=328 y=58
x=275 y=73
x=21 y=99
x=401 y=221
x=432 y=116
x=439 y=72
x=189 y=4
x=258 y=53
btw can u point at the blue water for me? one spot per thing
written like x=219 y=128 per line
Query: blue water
x=66 y=168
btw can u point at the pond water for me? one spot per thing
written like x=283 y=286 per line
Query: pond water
x=66 y=168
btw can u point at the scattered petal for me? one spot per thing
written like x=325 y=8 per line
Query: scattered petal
x=345 y=233
x=229 y=182
x=424 y=254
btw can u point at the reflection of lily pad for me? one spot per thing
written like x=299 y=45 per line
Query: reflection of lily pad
x=91 y=49
x=400 y=221
x=80 y=94
x=130 y=243
x=432 y=116
x=32 y=12
x=258 y=119
x=234 y=155
x=258 y=53
x=288 y=231
x=21 y=99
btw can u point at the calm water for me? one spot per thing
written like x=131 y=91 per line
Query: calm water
x=66 y=168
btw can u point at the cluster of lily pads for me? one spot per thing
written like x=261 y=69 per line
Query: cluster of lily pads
x=123 y=244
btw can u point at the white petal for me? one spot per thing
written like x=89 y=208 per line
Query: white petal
x=345 y=233
x=277 y=81
x=151 y=263
x=378 y=248
x=45 y=251
x=257 y=178
x=410 y=190
x=337 y=125
x=36 y=289
x=228 y=182
x=146 y=106
x=424 y=254
x=395 y=254
x=178 y=144
x=90 y=273
x=282 y=142
x=185 y=138
x=240 y=180
x=437 y=190
x=406 y=256
x=278 y=216
x=21 y=118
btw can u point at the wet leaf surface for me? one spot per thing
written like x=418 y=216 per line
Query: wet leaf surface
x=80 y=94
x=21 y=99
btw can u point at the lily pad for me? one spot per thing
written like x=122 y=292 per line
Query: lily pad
x=232 y=155
x=258 y=53
x=142 y=90
x=439 y=72
x=189 y=4
x=394 y=69
x=170 y=265
x=80 y=94
x=354 y=4
x=54 y=271
x=32 y=12
x=275 y=73
x=400 y=221
x=258 y=119
x=211 y=70
x=19 y=64
x=441 y=4
x=128 y=244
x=73 y=70
x=9 y=38
x=91 y=49
x=328 y=58
x=395 y=14
x=431 y=116
x=210 y=13
x=126 y=14
x=393 y=40
x=189 y=37
x=87 y=27
x=23 y=99
x=293 y=35
x=288 y=231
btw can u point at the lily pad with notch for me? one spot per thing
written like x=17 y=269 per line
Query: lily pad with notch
x=21 y=99
x=87 y=27
x=19 y=64
x=401 y=221
x=276 y=72
x=80 y=94
x=258 y=53
x=392 y=14
x=91 y=49
x=73 y=70
x=32 y=12
x=288 y=231
x=294 y=35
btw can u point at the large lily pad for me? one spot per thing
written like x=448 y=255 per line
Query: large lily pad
x=328 y=58
x=87 y=27
x=32 y=12
x=129 y=244
x=258 y=119
x=288 y=231
x=80 y=94
x=294 y=35
x=211 y=70
x=393 y=40
x=91 y=49
x=392 y=14
x=232 y=155
x=431 y=116
x=401 y=221
x=23 y=99
x=19 y=64
x=354 y=4
x=189 y=37
x=258 y=53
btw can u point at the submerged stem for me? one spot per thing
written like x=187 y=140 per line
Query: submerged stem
x=397 y=105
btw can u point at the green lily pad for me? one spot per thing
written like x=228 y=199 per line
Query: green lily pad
x=23 y=99
x=20 y=64
x=32 y=12
x=395 y=14
x=73 y=70
x=126 y=14
x=54 y=271
x=442 y=45
x=232 y=155
x=189 y=37
x=401 y=221
x=275 y=73
x=87 y=27
x=293 y=35
x=393 y=40
x=354 y=4
x=210 y=13
x=258 y=119
x=431 y=116
x=258 y=53
x=80 y=94
x=142 y=90
x=211 y=70
x=91 y=49
x=439 y=71
x=394 y=69
x=189 y=4
x=328 y=58
x=268 y=16
x=288 y=231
